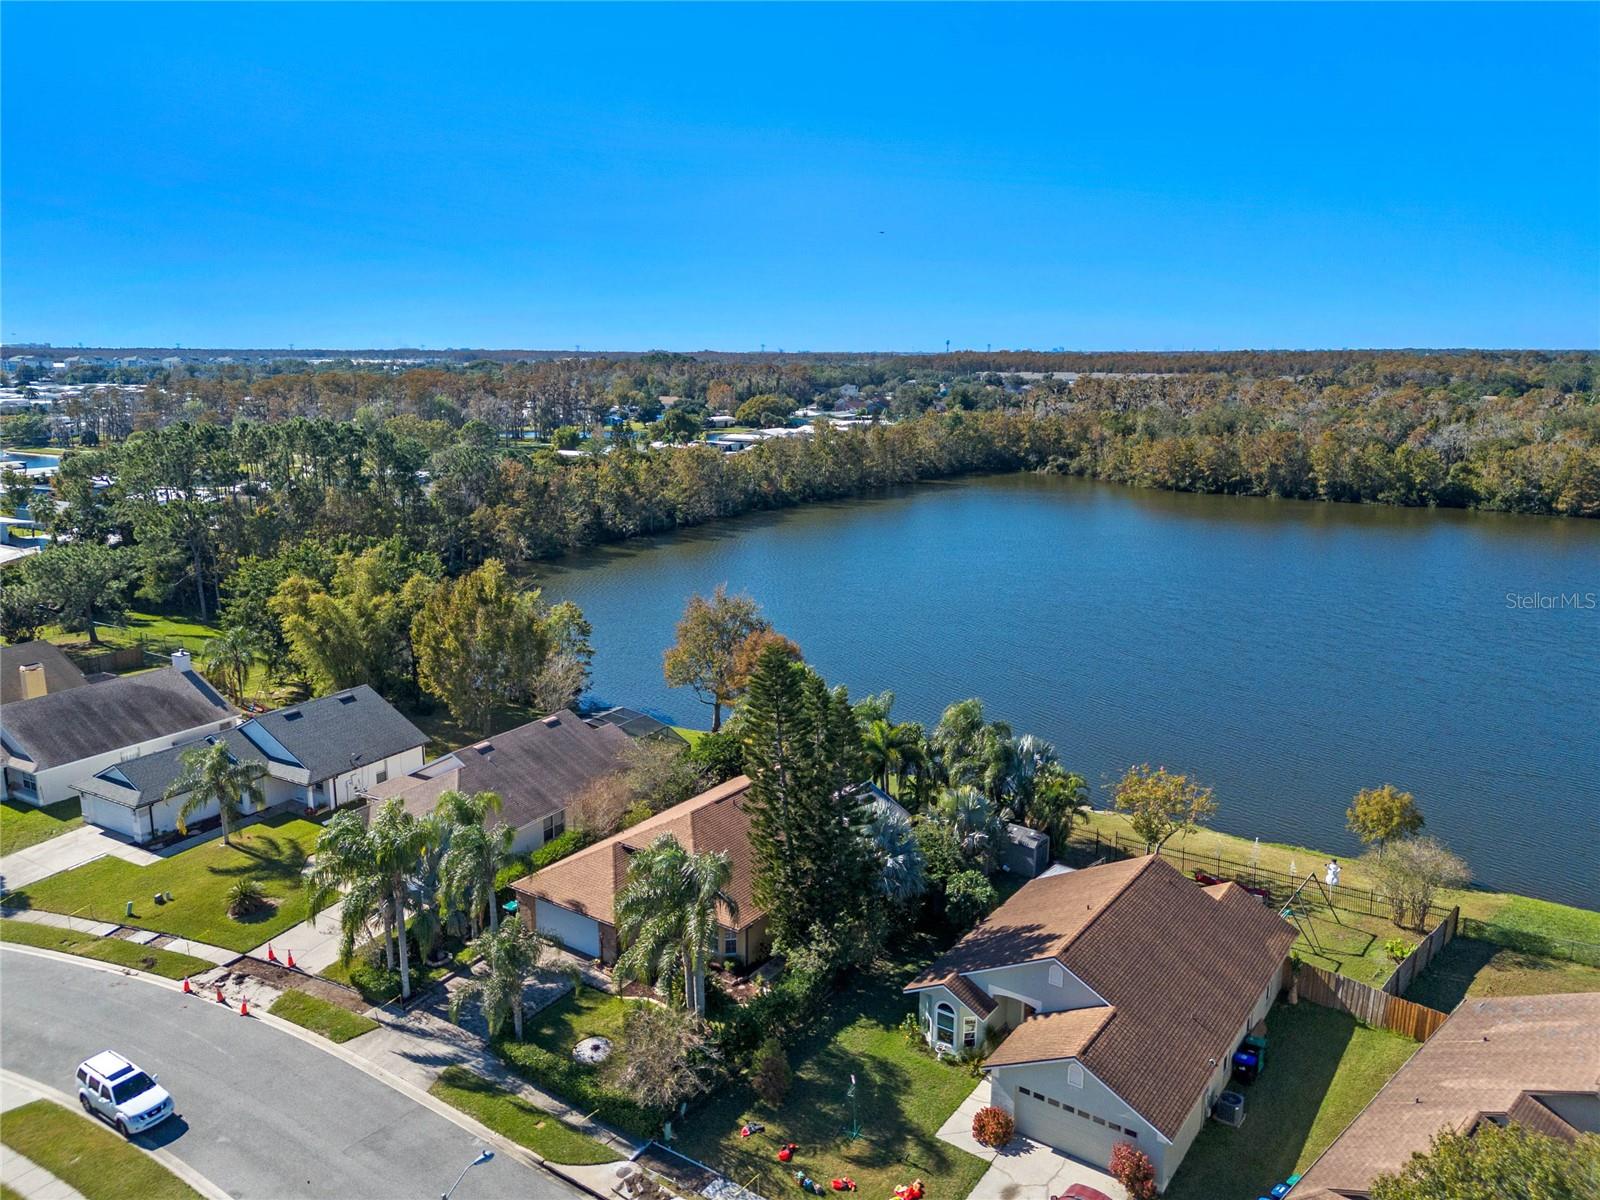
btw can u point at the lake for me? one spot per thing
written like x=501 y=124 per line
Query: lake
x=1284 y=653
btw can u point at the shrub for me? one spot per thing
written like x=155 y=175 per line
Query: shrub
x=556 y=849
x=769 y=1074
x=578 y=1085
x=1131 y=1167
x=1397 y=949
x=993 y=1126
x=968 y=898
x=245 y=897
x=720 y=756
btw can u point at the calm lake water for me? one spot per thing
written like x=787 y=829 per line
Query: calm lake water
x=1285 y=653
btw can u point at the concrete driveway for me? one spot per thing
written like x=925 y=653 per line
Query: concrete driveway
x=1023 y=1169
x=262 y=1113
x=71 y=849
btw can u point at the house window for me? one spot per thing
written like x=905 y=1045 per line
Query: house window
x=1052 y=1102
x=944 y=1020
x=969 y=1032
x=554 y=826
x=383 y=774
x=1132 y=1133
x=1058 y=977
x=730 y=944
x=1074 y=1075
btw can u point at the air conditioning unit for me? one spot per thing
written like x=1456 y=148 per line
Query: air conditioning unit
x=1229 y=1109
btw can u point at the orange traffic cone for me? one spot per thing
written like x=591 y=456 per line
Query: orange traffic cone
x=187 y=990
x=290 y=963
x=220 y=998
x=244 y=1008
x=271 y=957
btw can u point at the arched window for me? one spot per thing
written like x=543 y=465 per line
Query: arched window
x=945 y=1024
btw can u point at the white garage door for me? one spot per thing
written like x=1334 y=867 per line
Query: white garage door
x=1056 y=1121
x=577 y=932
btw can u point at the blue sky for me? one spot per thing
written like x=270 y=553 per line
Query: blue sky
x=808 y=178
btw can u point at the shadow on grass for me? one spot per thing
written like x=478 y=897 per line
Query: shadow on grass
x=1304 y=1046
x=271 y=857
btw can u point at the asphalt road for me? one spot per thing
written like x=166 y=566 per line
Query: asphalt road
x=262 y=1114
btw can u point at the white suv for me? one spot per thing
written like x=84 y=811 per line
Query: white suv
x=110 y=1086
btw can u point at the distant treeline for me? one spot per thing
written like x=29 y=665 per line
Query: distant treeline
x=218 y=470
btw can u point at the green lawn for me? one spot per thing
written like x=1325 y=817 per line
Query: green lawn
x=904 y=1095
x=1518 y=922
x=513 y=1117
x=1471 y=966
x=376 y=982
x=318 y=1015
x=1322 y=1069
x=123 y=953
x=544 y=1057
x=88 y=1155
x=23 y=825
x=159 y=629
x=272 y=852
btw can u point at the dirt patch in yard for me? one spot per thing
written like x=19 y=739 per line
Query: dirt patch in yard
x=283 y=979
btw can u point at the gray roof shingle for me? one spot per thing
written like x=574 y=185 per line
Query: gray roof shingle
x=82 y=722
x=152 y=774
x=60 y=673
x=537 y=769
x=323 y=734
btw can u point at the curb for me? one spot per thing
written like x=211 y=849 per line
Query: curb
x=163 y=1156
x=454 y=1115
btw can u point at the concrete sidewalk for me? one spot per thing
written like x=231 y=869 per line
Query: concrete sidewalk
x=34 y=916
x=1022 y=1169
x=71 y=849
x=315 y=943
x=418 y=1045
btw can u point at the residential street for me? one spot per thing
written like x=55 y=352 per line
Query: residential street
x=262 y=1114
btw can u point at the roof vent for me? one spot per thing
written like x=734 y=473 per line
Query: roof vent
x=552 y=720
x=484 y=747
x=293 y=716
x=347 y=699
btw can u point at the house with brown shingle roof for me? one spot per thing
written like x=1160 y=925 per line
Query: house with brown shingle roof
x=1110 y=1002
x=573 y=900
x=1525 y=1060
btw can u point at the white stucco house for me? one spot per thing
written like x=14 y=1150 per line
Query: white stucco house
x=50 y=742
x=1107 y=1004
x=315 y=755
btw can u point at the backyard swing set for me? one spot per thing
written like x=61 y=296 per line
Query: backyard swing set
x=1297 y=911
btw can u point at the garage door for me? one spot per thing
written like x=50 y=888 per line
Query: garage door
x=1056 y=1121
x=576 y=932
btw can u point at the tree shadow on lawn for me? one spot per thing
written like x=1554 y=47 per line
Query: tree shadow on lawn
x=1305 y=1044
x=272 y=858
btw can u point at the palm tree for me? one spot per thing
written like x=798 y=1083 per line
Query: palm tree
x=229 y=657
x=971 y=817
x=901 y=874
x=891 y=749
x=1030 y=756
x=211 y=772
x=467 y=873
x=510 y=955
x=399 y=842
x=376 y=863
x=666 y=915
x=1060 y=801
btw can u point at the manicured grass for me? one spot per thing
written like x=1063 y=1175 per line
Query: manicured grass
x=316 y=1014
x=376 y=982
x=513 y=1117
x=1520 y=922
x=903 y=1094
x=7 y=1192
x=272 y=852
x=22 y=825
x=87 y=1155
x=136 y=626
x=1322 y=1069
x=544 y=1057
x=1473 y=967
x=691 y=736
x=166 y=963
x=445 y=733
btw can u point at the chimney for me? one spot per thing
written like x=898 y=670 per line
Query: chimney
x=33 y=680
x=181 y=660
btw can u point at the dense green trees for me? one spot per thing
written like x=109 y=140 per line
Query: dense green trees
x=803 y=755
x=82 y=583
x=706 y=655
x=1495 y=1163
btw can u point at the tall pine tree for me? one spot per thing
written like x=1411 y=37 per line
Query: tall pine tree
x=802 y=750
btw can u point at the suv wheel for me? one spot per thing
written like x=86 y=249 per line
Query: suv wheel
x=122 y=1127
x=87 y=1107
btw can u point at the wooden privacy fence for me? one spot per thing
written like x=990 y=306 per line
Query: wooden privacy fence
x=1415 y=962
x=1368 y=1004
